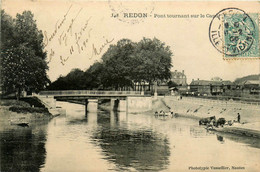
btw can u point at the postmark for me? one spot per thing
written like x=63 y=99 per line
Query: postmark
x=129 y=12
x=235 y=33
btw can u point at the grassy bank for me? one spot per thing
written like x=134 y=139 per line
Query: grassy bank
x=13 y=112
x=26 y=105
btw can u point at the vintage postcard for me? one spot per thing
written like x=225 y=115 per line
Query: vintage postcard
x=129 y=86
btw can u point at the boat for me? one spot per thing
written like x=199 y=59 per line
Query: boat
x=19 y=123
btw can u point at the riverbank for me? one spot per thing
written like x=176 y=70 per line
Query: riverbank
x=22 y=113
x=197 y=109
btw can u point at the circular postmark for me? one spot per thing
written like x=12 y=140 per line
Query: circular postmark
x=232 y=32
x=130 y=11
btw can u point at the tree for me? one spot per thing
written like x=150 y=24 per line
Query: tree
x=123 y=65
x=23 y=64
x=96 y=76
x=245 y=78
x=59 y=84
x=26 y=32
x=7 y=30
x=75 y=79
x=118 y=64
x=152 y=61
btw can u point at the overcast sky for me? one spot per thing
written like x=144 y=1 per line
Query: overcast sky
x=188 y=38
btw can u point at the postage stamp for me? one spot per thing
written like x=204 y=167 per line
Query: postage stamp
x=235 y=34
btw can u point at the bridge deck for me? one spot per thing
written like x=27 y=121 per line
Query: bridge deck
x=99 y=93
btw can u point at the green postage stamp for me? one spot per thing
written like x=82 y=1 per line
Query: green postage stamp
x=235 y=34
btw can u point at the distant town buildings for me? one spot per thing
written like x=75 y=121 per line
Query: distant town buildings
x=214 y=87
x=251 y=86
x=247 y=88
x=210 y=87
x=179 y=78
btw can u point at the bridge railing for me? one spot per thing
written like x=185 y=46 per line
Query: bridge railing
x=88 y=92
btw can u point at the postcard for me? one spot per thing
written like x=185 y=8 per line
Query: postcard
x=130 y=86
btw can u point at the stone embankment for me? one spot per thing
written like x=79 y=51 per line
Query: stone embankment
x=198 y=108
x=50 y=103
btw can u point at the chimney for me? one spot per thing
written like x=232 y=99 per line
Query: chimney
x=182 y=71
x=198 y=79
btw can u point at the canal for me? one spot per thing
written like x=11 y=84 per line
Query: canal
x=116 y=141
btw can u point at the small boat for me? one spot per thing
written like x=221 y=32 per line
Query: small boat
x=21 y=124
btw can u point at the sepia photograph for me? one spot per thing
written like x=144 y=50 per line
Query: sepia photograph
x=106 y=85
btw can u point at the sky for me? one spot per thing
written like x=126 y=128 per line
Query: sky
x=77 y=33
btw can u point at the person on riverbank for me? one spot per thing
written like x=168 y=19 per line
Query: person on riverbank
x=162 y=113
x=238 y=117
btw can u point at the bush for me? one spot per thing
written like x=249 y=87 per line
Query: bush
x=11 y=102
x=21 y=109
x=33 y=101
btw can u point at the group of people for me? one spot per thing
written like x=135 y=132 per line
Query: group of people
x=222 y=122
x=163 y=113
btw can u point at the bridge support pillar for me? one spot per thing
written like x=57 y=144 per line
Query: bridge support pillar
x=119 y=105
x=112 y=104
x=126 y=105
x=92 y=105
x=115 y=104
x=86 y=106
x=122 y=106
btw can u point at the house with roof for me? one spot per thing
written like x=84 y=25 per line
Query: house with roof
x=179 y=78
x=251 y=86
x=210 y=87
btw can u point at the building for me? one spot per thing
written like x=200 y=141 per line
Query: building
x=179 y=78
x=251 y=86
x=210 y=87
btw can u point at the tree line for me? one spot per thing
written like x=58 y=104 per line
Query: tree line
x=124 y=64
x=23 y=59
x=121 y=66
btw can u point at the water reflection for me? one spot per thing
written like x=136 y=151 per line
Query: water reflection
x=23 y=149
x=140 y=149
x=102 y=141
x=253 y=142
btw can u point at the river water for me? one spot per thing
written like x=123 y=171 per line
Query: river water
x=116 y=141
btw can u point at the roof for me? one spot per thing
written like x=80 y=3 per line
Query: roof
x=177 y=74
x=254 y=82
x=227 y=82
x=207 y=82
x=173 y=88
